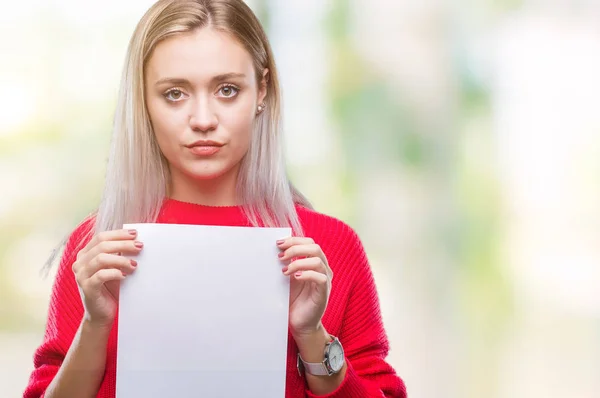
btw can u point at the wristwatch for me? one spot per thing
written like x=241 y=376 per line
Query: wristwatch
x=332 y=364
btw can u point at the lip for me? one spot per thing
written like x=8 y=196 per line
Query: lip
x=205 y=143
x=205 y=150
x=205 y=147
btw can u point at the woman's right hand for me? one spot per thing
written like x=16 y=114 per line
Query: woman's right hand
x=99 y=268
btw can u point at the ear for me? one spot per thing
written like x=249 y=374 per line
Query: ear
x=262 y=89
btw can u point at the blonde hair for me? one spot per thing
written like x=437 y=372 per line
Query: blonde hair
x=137 y=175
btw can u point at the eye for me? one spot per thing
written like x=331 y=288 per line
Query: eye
x=173 y=95
x=229 y=90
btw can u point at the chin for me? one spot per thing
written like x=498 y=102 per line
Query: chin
x=205 y=173
x=206 y=176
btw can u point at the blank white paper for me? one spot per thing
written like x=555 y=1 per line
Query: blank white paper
x=204 y=315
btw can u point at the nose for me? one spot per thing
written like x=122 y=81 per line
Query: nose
x=202 y=117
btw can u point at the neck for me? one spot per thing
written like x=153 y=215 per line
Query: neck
x=220 y=191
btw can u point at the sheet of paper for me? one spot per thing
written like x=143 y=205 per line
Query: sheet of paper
x=204 y=315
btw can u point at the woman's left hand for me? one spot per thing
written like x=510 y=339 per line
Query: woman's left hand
x=310 y=283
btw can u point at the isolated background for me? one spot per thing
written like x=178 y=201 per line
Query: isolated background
x=460 y=139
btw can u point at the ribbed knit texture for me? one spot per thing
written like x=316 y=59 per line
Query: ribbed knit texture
x=353 y=312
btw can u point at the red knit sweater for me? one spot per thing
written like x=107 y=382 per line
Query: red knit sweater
x=352 y=313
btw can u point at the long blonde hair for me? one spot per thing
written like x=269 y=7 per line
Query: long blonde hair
x=137 y=175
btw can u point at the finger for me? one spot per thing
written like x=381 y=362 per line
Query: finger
x=113 y=247
x=106 y=261
x=93 y=284
x=305 y=264
x=113 y=235
x=318 y=278
x=303 y=250
x=284 y=244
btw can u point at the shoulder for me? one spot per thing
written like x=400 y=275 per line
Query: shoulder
x=333 y=234
x=78 y=238
x=315 y=221
x=65 y=254
x=84 y=230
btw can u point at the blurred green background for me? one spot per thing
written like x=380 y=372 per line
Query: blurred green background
x=460 y=140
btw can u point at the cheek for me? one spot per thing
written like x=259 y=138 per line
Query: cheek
x=239 y=124
x=167 y=126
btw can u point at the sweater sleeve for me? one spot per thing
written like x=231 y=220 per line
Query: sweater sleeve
x=65 y=312
x=363 y=336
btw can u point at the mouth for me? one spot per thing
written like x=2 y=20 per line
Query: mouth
x=205 y=147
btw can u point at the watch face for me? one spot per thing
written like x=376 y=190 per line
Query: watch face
x=336 y=356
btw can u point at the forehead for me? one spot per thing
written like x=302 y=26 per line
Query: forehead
x=198 y=56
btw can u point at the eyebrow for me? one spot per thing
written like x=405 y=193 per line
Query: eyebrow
x=215 y=79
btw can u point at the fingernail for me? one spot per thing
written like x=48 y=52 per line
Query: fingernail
x=281 y=254
x=132 y=232
x=139 y=245
x=133 y=263
x=279 y=242
x=297 y=274
x=284 y=269
x=124 y=274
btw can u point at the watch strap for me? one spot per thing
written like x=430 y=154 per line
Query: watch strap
x=317 y=368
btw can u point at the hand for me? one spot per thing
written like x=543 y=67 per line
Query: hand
x=309 y=286
x=99 y=268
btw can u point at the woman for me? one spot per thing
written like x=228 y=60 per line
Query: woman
x=197 y=141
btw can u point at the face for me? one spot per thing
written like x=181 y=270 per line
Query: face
x=202 y=97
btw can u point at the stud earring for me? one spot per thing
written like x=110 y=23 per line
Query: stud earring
x=261 y=108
